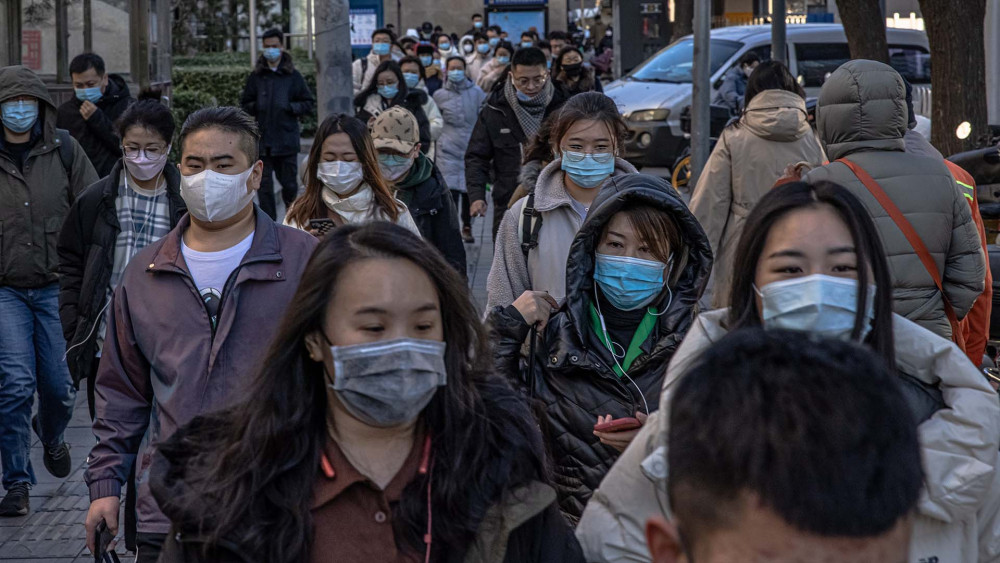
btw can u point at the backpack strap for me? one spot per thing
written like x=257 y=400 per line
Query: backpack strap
x=529 y=223
x=911 y=236
x=364 y=67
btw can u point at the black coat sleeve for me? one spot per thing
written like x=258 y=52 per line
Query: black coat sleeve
x=508 y=330
x=301 y=99
x=478 y=156
x=248 y=100
x=71 y=248
x=447 y=235
x=544 y=538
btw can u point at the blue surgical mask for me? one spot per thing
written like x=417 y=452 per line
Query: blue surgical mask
x=522 y=96
x=411 y=79
x=526 y=44
x=444 y=47
x=88 y=94
x=388 y=91
x=380 y=49
x=585 y=170
x=483 y=48
x=477 y=25
x=456 y=76
x=494 y=41
x=819 y=304
x=548 y=63
x=437 y=62
x=393 y=159
x=503 y=60
x=629 y=283
x=272 y=53
x=19 y=116
x=426 y=60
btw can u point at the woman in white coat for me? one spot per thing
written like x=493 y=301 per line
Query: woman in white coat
x=414 y=75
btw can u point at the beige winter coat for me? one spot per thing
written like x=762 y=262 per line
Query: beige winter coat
x=744 y=165
x=959 y=447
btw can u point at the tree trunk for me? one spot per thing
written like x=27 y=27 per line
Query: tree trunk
x=864 y=26
x=683 y=19
x=334 y=85
x=955 y=31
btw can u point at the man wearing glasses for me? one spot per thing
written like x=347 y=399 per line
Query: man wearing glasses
x=511 y=117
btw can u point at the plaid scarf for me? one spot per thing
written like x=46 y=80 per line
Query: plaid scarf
x=530 y=112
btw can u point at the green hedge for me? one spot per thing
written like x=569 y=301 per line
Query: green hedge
x=219 y=78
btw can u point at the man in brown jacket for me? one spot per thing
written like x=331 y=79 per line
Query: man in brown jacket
x=191 y=316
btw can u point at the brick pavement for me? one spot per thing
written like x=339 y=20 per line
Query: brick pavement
x=53 y=530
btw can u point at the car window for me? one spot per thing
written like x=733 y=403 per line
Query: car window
x=912 y=62
x=817 y=60
x=674 y=63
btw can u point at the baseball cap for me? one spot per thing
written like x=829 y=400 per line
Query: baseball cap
x=396 y=129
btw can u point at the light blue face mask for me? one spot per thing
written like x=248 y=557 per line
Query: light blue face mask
x=88 y=94
x=483 y=48
x=628 y=283
x=380 y=49
x=393 y=159
x=526 y=44
x=819 y=304
x=426 y=60
x=522 y=96
x=444 y=47
x=272 y=53
x=411 y=79
x=388 y=91
x=456 y=76
x=587 y=170
x=477 y=25
x=19 y=116
x=494 y=41
x=503 y=60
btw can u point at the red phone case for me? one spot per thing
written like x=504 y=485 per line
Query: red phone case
x=618 y=425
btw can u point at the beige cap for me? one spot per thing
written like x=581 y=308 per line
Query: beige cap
x=397 y=129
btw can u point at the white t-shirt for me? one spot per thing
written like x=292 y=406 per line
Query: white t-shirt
x=210 y=270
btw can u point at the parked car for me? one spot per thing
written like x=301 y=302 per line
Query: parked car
x=653 y=95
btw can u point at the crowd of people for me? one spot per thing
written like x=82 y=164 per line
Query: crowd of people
x=785 y=368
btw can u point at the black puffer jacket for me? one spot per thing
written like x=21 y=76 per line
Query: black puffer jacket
x=368 y=106
x=433 y=210
x=97 y=135
x=574 y=381
x=86 y=257
x=278 y=99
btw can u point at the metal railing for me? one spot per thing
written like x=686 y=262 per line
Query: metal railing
x=730 y=21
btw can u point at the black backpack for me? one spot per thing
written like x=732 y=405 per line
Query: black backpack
x=529 y=224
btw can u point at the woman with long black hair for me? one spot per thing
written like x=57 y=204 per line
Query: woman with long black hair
x=374 y=430
x=387 y=89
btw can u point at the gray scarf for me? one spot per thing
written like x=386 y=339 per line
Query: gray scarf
x=530 y=112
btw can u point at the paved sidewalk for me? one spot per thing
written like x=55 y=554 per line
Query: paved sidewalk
x=53 y=531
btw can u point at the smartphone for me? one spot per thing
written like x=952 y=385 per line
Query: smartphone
x=321 y=226
x=104 y=538
x=618 y=425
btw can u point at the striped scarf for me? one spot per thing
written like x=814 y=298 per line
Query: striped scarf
x=529 y=112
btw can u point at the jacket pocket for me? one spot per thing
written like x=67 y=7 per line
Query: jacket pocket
x=52 y=227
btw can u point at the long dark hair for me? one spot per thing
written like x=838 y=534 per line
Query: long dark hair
x=591 y=106
x=794 y=196
x=540 y=146
x=769 y=75
x=252 y=469
x=393 y=67
x=585 y=82
x=310 y=204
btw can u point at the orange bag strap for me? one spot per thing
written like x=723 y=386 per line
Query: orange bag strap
x=911 y=236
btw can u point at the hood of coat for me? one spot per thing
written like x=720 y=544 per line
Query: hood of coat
x=285 y=65
x=862 y=106
x=19 y=80
x=550 y=190
x=116 y=90
x=777 y=115
x=692 y=264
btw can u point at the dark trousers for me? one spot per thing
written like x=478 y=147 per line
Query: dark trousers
x=462 y=204
x=286 y=168
x=148 y=547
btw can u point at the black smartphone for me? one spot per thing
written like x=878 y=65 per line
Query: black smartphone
x=103 y=538
x=321 y=226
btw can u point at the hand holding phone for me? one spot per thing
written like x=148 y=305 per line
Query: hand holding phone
x=619 y=433
x=105 y=549
x=618 y=424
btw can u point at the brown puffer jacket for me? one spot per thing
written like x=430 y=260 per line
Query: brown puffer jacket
x=862 y=117
x=744 y=165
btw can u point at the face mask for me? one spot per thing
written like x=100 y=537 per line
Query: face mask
x=587 y=172
x=143 y=168
x=456 y=76
x=503 y=60
x=212 y=196
x=272 y=53
x=526 y=44
x=548 y=63
x=522 y=96
x=339 y=176
x=380 y=49
x=437 y=62
x=386 y=384
x=483 y=48
x=477 y=25
x=468 y=48
x=19 y=116
x=573 y=69
x=819 y=304
x=494 y=41
x=393 y=166
x=388 y=91
x=411 y=79
x=444 y=47
x=88 y=94
x=628 y=283
x=426 y=60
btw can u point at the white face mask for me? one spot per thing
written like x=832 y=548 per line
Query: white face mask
x=339 y=176
x=213 y=196
x=820 y=304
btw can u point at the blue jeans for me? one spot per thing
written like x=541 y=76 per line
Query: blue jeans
x=32 y=350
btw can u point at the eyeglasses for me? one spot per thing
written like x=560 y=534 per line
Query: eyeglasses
x=526 y=81
x=600 y=157
x=152 y=152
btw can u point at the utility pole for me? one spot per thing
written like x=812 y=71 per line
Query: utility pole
x=309 y=27
x=88 y=28
x=701 y=78
x=778 y=31
x=253 y=32
x=334 y=84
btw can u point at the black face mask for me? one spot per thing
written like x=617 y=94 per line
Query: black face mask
x=573 y=69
